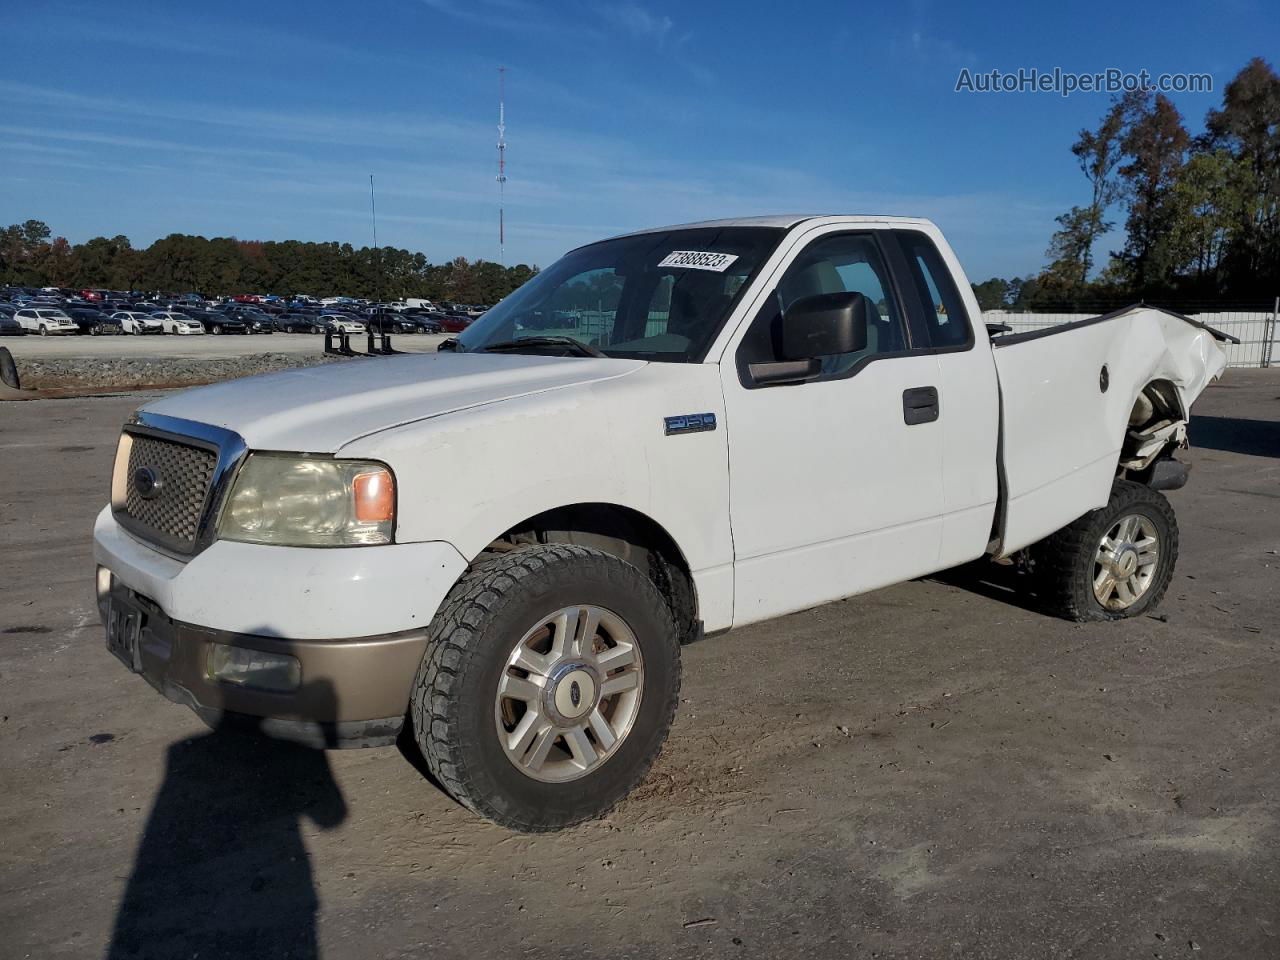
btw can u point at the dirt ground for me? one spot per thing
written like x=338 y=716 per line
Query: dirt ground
x=932 y=770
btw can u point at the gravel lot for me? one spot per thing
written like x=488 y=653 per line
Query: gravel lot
x=124 y=362
x=931 y=770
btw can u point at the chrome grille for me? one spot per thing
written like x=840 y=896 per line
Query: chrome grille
x=171 y=514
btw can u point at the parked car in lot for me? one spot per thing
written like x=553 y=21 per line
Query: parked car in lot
x=137 y=322
x=46 y=321
x=254 y=319
x=258 y=322
x=298 y=322
x=453 y=322
x=341 y=323
x=178 y=323
x=427 y=319
x=221 y=323
x=420 y=323
x=93 y=322
x=388 y=321
x=10 y=327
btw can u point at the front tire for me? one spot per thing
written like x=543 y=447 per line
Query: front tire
x=548 y=687
x=1112 y=563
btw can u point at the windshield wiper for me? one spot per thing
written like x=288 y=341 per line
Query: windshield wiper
x=577 y=346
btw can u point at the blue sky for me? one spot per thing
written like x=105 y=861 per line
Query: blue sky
x=264 y=120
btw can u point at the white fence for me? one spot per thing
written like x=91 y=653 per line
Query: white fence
x=1256 y=331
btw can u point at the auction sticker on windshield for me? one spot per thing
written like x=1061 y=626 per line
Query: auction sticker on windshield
x=699 y=260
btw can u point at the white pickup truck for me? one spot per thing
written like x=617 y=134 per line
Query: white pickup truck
x=501 y=546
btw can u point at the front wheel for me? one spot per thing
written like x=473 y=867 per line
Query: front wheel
x=1112 y=563
x=548 y=687
x=216 y=331
x=44 y=331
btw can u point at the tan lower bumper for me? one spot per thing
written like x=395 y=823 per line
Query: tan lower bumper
x=352 y=692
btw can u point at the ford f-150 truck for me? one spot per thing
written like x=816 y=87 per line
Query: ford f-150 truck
x=664 y=435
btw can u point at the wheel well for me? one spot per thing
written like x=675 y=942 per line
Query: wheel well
x=1157 y=426
x=1158 y=400
x=623 y=533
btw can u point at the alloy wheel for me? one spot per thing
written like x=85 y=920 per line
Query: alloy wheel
x=1126 y=562
x=569 y=693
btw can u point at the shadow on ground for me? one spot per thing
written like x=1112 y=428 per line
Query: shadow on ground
x=222 y=870
x=1255 y=438
x=995 y=581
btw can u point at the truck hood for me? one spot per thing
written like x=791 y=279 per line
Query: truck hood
x=321 y=409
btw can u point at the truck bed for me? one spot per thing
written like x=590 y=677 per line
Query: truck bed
x=1066 y=394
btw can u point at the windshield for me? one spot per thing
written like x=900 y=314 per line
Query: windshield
x=654 y=296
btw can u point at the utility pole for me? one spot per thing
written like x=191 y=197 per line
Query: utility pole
x=377 y=258
x=502 y=166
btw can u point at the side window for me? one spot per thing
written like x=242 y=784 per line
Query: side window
x=945 y=317
x=841 y=263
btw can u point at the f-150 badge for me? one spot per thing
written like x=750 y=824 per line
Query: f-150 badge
x=690 y=423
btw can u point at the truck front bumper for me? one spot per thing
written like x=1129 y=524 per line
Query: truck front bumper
x=348 y=624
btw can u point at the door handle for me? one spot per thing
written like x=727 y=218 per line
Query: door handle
x=919 y=405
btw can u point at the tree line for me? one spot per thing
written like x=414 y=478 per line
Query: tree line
x=1201 y=213
x=179 y=263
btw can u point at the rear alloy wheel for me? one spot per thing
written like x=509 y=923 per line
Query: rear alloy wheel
x=314 y=328
x=1112 y=563
x=548 y=686
x=1126 y=563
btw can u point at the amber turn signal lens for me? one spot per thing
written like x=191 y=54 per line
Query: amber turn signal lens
x=375 y=494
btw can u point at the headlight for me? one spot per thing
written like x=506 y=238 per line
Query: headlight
x=310 y=502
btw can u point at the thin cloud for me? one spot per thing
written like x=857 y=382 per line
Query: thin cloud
x=142 y=143
x=640 y=22
x=512 y=15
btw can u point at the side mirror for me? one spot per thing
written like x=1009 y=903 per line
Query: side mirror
x=819 y=326
x=824 y=325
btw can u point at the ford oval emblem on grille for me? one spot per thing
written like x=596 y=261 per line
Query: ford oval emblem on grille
x=147 y=482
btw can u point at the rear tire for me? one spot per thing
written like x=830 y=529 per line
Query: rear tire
x=501 y=633
x=1112 y=563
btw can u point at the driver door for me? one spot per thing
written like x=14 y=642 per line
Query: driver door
x=835 y=482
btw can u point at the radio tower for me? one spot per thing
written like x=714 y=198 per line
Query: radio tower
x=502 y=166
